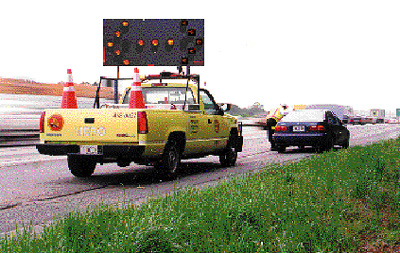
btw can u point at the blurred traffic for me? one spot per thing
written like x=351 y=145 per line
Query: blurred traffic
x=20 y=116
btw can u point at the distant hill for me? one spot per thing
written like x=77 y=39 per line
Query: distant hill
x=247 y=112
x=22 y=86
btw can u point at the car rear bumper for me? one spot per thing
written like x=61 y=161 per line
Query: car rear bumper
x=299 y=139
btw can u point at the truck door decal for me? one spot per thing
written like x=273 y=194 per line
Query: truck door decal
x=194 y=126
x=216 y=125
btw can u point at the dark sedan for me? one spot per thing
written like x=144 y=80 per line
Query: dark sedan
x=318 y=128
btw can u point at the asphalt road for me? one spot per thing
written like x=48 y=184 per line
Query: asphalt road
x=34 y=188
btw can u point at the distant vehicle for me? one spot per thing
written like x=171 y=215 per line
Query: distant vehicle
x=380 y=120
x=370 y=120
x=357 y=120
x=392 y=120
x=380 y=113
x=319 y=128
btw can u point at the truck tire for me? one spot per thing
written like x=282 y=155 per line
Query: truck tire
x=81 y=167
x=229 y=156
x=171 y=158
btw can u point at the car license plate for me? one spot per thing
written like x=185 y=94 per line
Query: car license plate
x=89 y=150
x=298 y=128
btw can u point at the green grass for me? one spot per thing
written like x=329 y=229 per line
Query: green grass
x=339 y=201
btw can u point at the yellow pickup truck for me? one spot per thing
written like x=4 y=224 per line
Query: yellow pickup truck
x=179 y=121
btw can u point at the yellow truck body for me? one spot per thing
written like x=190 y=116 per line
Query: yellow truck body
x=173 y=124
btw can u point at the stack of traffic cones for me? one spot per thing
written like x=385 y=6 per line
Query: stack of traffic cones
x=68 y=96
x=136 y=98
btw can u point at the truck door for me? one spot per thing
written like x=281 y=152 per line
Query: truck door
x=216 y=130
x=195 y=142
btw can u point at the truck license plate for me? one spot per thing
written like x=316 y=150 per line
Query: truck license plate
x=298 y=128
x=89 y=150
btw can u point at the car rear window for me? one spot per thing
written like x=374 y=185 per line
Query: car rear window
x=305 y=116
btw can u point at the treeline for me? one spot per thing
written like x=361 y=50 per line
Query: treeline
x=247 y=112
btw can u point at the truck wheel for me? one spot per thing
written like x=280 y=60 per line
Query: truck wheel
x=170 y=160
x=81 y=167
x=229 y=156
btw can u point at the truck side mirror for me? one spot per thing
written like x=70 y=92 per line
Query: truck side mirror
x=225 y=107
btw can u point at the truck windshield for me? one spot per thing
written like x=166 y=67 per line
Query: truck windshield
x=161 y=96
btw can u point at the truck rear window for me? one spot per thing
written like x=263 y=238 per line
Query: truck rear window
x=157 y=97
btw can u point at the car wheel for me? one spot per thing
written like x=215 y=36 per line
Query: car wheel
x=319 y=148
x=80 y=166
x=329 y=144
x=168 y=166
x=229 y=156
x=346 y=144
x=281 y=149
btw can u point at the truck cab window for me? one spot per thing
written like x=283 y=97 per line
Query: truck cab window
x=209 y=105
x=165 y=96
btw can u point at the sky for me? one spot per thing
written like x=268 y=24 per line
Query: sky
x=272 y=52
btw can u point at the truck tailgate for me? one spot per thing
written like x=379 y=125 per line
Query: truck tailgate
x=90 y=126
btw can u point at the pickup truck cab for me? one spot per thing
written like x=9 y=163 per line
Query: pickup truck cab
x=179 y=121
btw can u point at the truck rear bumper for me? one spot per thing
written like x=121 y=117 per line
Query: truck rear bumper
x=107 y=151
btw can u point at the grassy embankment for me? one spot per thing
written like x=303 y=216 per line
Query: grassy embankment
x=342 y=201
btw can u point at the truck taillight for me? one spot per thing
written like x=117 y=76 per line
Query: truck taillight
x=142 y=123
x=42 y=122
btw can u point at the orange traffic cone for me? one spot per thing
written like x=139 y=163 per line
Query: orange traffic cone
x=68 y=96
x=136 y=99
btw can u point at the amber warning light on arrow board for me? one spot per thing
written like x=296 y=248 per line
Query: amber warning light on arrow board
x=153 y=42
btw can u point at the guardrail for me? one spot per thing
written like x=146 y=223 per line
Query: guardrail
x=18 y=137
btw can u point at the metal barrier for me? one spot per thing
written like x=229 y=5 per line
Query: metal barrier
x=18 y=137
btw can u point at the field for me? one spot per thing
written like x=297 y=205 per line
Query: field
x=20 y=86
x=339 y=201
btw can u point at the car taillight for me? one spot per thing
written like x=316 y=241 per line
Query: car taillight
x=317 y=128
x=42 y=122
x=142 y=123
x=280 y=128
